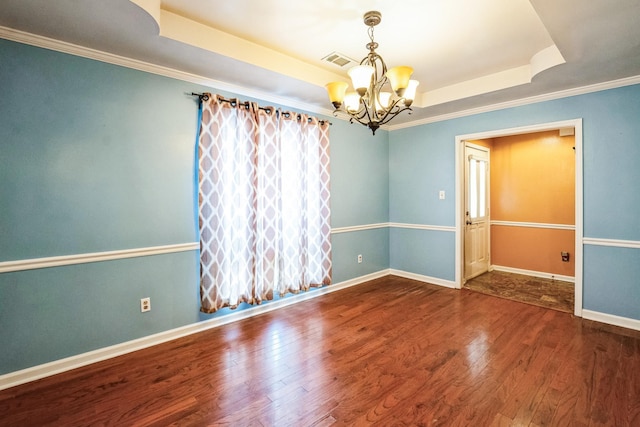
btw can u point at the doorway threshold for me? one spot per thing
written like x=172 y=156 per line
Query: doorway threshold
x=548 y=293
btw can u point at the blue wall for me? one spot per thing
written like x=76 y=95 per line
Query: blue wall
x=359 y=196
x=421 y=162
x=96 y=157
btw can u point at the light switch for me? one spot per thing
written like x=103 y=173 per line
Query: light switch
x=441 y=195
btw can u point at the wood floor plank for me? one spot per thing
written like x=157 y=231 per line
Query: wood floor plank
x=392 y=351
x=575 y=380
x=632 y=356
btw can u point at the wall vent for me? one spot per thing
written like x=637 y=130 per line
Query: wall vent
x=340 y=60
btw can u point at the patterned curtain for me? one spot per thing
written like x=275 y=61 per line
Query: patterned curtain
x=263 y=203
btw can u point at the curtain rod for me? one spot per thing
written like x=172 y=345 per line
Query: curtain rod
x=205 y=97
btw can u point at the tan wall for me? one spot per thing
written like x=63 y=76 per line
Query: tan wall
x=533 y=180
x=533 y=249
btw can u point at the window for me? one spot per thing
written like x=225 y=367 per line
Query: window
x=477 y=188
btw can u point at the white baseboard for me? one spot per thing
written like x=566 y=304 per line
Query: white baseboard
x=33 y=373
x=610 y=319
x=540 y=274
x=421 y=278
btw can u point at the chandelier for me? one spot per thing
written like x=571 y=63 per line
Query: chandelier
x=379 y=94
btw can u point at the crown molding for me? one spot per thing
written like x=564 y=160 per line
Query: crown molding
x=109 y=58
x=597 y=87
x=77 y=50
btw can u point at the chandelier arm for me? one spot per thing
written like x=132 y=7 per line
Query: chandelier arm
x=397 y=106
x=361 y=113
x=359 y=121
x=359 y=116
x=368 y=111
x=387 y=117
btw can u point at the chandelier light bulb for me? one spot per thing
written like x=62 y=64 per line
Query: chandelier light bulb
x=361 y=77
x=336 y=92
x=352 y=102
x=410 y=92
x=399 y=78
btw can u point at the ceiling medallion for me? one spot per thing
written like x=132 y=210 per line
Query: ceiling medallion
x=379 y=95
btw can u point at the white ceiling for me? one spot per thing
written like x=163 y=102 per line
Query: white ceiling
x=466 y=53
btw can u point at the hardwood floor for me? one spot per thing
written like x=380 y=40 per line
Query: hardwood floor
x=554 y=294
x=389 y=352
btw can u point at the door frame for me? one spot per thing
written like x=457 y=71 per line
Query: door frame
x=460 y=141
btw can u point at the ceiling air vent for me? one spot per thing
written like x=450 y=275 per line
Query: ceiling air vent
x=339 y=59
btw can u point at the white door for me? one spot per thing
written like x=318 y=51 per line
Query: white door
x=476 y=229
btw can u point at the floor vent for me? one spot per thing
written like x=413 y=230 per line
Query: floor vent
x=340 y=60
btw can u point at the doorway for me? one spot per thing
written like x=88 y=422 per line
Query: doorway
x=462 y=202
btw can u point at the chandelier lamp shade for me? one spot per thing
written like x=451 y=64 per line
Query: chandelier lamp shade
x=378 y=94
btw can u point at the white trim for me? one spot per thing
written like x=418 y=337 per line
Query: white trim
x=422 y=278
x=613 y=84
x=23 y=376
x=579 y=218
x=611 y=319
x=520 y=130
x=57 y=261
x=579 y=201
x=423 y=227
x=533 y=273
x=478 y=147
x=533 y=225
x=77 y=50
x=633 y=244
x=339 y=230
x=109 y=58
x=459 y=183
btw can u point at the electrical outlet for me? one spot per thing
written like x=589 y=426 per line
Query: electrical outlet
x=145 y=304
x=441 y=195
x=359 y=259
